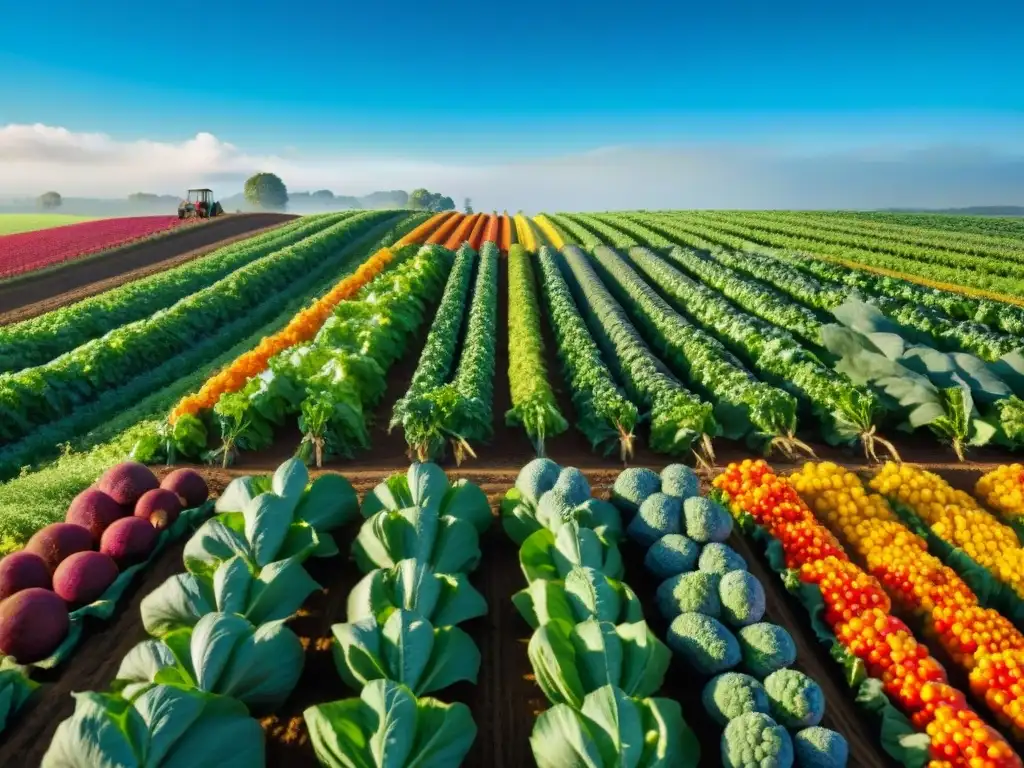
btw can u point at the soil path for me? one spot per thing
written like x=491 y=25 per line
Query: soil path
x=34 y=294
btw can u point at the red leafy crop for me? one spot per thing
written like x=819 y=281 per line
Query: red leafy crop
x=27 y=251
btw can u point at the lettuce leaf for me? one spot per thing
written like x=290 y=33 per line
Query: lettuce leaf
x=548 y=555
x=584 y=593
x=274 y=592
x=444 y=599
x=406 y=649
x=164 y=727
x=448 y=544
x=425 y=485
x=521 y=517
x=222 y=654
x=571 y=661
x=612 y=730
x=388 y=727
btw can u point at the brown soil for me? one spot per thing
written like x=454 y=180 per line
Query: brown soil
x=34 y=294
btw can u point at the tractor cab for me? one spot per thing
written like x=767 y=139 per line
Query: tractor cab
x=199 y=204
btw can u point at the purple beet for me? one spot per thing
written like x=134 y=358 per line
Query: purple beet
x=22 y=570
x=160 y=507
x=188 y=485
x=33 y=623
x=84 y=577
x=58 y=541
x=94 y=510
x=129 y=540
x=126 y=482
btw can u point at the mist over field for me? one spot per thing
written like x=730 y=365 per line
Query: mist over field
x=84 y=167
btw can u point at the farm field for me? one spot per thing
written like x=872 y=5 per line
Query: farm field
x=825 y=554
x=12 y=223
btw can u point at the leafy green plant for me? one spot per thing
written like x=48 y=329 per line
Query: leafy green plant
x=571 y=661
x=583 y=594
x=612 y=730
x=406 y=648
x=425 y=485
x=445 y=599
x=222 y=654
x=533 y=401
x=388 y=727
x=163 y=727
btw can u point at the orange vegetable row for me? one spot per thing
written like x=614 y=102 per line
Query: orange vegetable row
x=506 y=232
x=476 y=238
x=857 y=610
x=301 y=328
x=461 y=234
x=979 y=639
x=446 y=228
x=491 y=233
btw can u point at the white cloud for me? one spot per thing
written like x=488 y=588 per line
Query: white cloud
x=34 y=158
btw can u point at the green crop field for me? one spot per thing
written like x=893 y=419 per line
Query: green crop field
x=12 y=223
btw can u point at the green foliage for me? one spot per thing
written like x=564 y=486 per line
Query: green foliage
x=165 y=724
x=612 y=730
x=50 y=200
x=421 y=199
x=533 y=400
x=445 y=599
x=603 y=414
x=388 y=727
x=222 y=654
x=265 y=190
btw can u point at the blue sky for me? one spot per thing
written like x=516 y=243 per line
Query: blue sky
x=464 y=83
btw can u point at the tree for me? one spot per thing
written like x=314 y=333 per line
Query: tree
x=468 y=205
x=50 y=200
x=265 y=190
x=423 y=200
x=323 y=194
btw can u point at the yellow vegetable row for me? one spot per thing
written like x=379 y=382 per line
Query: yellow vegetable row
x=548 y=230
x=956 y=518
x=1003 y=490
x=979 y=639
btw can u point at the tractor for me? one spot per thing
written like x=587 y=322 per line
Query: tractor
x=199 y=205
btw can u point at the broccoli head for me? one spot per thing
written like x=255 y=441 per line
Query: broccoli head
x=632 y=486
x=818 y=747
x=659 y=516
x=742 y=598
x=754 y=740
x=679 y=480
x=732 y=694
x=704 y=643
x=671 y=555
x=574 y=485
x=706 y=520
x=766 y=647
x=693 y=592
x=720 y=558
x=797 y=701
x=537 y=478
x=554 y=509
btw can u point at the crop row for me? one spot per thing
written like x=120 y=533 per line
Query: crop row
x=34 y=397
x=25 y=252
x=856 y=609
x=40 y=339
x=416 y=547
x=592 y=653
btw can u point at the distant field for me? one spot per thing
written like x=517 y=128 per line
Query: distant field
x=11 y=223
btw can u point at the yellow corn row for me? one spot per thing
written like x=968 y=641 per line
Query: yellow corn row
x=525 y=233
x=548 y=230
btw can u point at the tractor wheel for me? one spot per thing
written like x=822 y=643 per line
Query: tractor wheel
x=181 y=214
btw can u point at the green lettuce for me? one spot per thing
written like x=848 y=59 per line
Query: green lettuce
x=388 y=727
x=274 y=592
x=406 y=649
x=549 y=555
x=15 y=689
x=164 y=727
x=612 y=730
x=448 y=544
x=445 y=599
x=425 y=485
x=572 y=661
x=584 y=593
x=223 y=654
x=521 y=517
